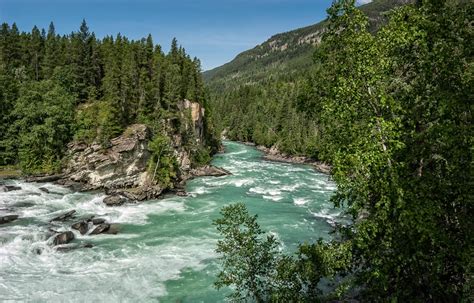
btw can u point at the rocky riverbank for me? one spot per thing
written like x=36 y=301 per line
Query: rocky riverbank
x=273 y=154
x=121 y=167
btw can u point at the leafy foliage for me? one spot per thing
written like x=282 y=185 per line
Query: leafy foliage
x=248 y=258
x=394 y=118
x=162 y=163
x=255 y=268
x=43 y=113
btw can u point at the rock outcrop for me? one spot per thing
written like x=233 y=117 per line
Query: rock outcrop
x=122 y=164
x=121 y=168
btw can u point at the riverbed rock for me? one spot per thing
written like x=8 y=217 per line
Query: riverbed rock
x=113 y=229
x=8 y=219
x=97 y=221
x=44 y=189
x=181 y=193
x=209 y=170
x=114 y=200
x=138 y=193
x=101 y=228
x=65 y=216
x=70 y=247
x=44 y=178
x=63 y=238
x=81 y=226
x=274 y=154
x=7 y=188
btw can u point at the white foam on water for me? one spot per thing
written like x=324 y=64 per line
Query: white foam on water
x=291 y=187
x=300 y=201
x=265 y=191
x=199 y=191
x=273 y=198
x=242 y=182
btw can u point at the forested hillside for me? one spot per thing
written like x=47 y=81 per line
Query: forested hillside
x=55 y=89
x=392 y=111
x=287 y=54
x=259 y=95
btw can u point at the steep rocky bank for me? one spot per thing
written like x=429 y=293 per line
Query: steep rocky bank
x=121 y=168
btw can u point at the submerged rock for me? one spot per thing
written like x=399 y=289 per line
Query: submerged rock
x=181 y=193
x=44 y=189
x=210 y=170
x=73 y=247
x=44 y=178
x=63 y=238
x=115 y=200
x=7 y=188
x=8 y=219
x=65 y=216
x=81 y=226
x=101 y=228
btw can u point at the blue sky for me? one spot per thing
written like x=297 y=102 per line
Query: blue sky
x=213 y=30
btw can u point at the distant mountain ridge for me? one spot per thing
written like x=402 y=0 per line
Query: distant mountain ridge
x=285 y=54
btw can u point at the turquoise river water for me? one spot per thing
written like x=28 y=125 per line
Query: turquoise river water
x=165 y=248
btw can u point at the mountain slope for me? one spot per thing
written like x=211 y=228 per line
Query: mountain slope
x=285 y=54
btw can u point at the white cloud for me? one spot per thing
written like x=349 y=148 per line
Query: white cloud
x=362 y=2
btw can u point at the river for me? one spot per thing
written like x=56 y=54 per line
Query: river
x=165 y=248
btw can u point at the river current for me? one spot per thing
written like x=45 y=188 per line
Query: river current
x=165 y=248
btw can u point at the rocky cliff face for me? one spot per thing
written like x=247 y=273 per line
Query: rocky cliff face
x=121 y=167
x=122 y=164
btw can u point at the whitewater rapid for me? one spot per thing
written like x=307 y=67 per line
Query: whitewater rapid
x=164 y=250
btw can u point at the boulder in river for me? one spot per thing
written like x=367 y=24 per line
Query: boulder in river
x=181 y=193
x=8 y=219
x=113 y=229
x=73 y=247
x=101 y=228
x=65 y=216
x=81 y=226
x=97 y=221
x=115 y=200
x=63 y=238
x=7 y=188
x=44 y=178
x=210 y=170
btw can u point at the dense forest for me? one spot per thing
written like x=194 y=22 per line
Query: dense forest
x=260 y=95
x=77 y=87
x=391 y=110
